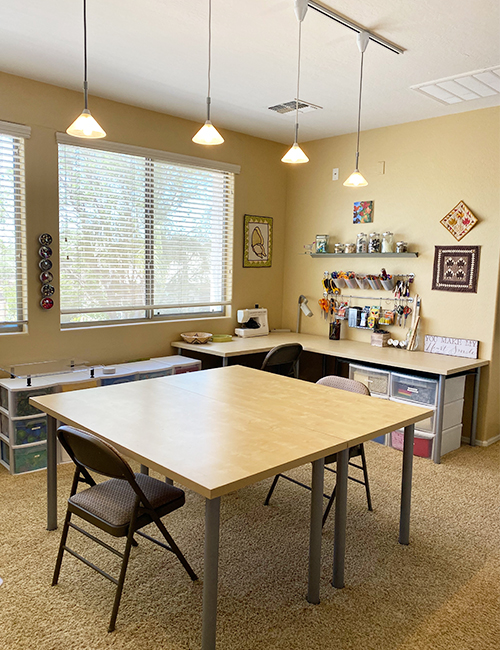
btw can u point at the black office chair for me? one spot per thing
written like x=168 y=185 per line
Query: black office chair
x=120 y=506
x=283 y=359
x=354 y=387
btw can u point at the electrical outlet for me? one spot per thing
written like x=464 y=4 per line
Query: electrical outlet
x=335 y=175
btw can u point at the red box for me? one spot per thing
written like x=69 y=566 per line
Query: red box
x=422 y=444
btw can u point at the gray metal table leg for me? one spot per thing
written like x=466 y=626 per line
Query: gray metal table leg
x=51 y=473
x=404 y=518
x=436 y=447
x=473 y=424
x=318 y=468
x=211 y=572
x=225 y=361
x=340 y=519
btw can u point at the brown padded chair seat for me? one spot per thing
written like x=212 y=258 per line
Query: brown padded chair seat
x=113 y=501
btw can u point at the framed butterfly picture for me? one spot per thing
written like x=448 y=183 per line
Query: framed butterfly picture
x=258 y=241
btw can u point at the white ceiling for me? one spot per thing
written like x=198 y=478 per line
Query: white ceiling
x=153 y=54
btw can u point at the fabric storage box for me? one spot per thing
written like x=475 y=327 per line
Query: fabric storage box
x=422 y=443
x=414 y=389
x=29 y=458
x=378 y=381
x=452 y=415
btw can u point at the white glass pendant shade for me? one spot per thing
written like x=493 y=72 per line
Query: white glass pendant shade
x=356 y=179
x=85 y=126
x=295 y=155
x=208 y=135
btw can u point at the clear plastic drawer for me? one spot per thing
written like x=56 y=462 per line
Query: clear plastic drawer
x=418 y=390
x=378 y=381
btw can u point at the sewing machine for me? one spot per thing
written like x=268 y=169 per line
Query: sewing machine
x=254 y=322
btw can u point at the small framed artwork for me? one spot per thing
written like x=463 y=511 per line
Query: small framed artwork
x=363 y=212
x=258 y=241
x=456 y=268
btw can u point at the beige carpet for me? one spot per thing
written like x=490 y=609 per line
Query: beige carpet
x=440 y=592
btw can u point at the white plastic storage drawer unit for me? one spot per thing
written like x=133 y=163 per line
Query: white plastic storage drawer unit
x=179 y=363
x=452 y=415
x=421 y=390
x=377 y=381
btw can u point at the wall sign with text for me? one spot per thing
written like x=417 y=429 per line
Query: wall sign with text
x=453 y=347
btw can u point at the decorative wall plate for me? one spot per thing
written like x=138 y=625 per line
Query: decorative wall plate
x=45 y=251
x=459 y=221
x=46 y=303
x=45 y=265
x=47 y=290
x=45 y=239
x=46 y=277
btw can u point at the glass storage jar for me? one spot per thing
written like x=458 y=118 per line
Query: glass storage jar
x=361 y=243
x=321 y=243
x=401 y=247
x=374 y=243
x=387 y=242
x=339 y=248
x=350 y=248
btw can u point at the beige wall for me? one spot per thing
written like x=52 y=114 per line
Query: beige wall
x=429 y=167
x=260 y=190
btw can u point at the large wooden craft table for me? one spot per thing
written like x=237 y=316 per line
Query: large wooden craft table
x=218 y=430
x=438 y=365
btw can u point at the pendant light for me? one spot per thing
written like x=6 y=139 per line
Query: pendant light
x=208 y=134
x=295 y=154
x=356 y=179
x=85 y=126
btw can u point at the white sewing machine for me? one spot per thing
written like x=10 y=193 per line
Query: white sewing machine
x=254 y=322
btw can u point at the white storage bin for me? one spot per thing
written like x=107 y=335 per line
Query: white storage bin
x=451 y=439
x=378 y=381
x=454 y=389
x=417 y=390
x=452 y=415
x=178 y=363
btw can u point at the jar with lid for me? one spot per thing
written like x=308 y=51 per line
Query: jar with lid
x=361 y=243
x=374 y=243
x=321 y=243
x=401 y=247
x=387 y=242
x=339 y=248
x=350 y=248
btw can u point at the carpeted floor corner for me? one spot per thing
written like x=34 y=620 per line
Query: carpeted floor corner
x=439 y=593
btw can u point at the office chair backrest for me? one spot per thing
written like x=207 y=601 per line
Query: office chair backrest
x=94 y=454
x=342 y=383
x=285 y=356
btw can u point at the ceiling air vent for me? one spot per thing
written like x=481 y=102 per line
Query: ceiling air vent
x=289 y=107
x=464 y=87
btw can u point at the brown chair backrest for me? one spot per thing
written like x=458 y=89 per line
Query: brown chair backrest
x=342 y=383
x=94 y=454
x=283 y=358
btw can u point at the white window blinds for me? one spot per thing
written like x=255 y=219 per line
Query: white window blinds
x=13 y=295
x=142 y=237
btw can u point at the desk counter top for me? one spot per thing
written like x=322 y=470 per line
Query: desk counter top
x=438 y=364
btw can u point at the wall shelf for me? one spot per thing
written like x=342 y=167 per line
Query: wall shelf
x=364 y=254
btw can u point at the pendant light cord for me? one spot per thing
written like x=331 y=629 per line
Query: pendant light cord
x=298 y=86
x=85 y=83
x=209 y=56
x=359 y=107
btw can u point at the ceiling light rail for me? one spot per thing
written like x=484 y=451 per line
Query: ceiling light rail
x=357 y=28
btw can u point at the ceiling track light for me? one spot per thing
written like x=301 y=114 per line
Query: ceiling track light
x=295 y=155
x=208 y=134
x=356 y=179
x=85 y=126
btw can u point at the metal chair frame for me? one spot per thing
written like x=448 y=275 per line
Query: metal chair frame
x=90 y=453
x=284 y=357
x=354 y=452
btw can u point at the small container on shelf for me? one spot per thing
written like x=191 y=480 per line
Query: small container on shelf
x=362 y=281
x=339 y=248
x=351 y=281
x=387 y=283
x=361 y=243
x=374 y=282
x=321 y=243
x=401 y=247
x=387 y=242
x=340 y=283
x=374 y=245
x=350 y=248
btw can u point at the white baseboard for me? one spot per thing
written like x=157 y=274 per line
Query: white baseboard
x=483 y=443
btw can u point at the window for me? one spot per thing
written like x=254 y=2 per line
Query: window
x=143 y=234
x=13 y=297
